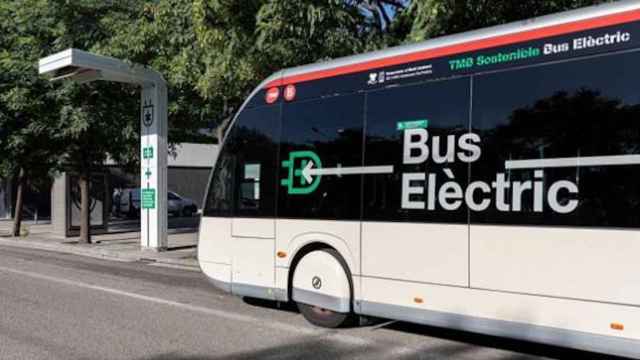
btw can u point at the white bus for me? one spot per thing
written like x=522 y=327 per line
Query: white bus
x=487 y=181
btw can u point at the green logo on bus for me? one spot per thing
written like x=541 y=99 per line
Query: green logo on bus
x=302 y=180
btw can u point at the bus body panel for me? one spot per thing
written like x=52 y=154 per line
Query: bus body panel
x=563 y=322
x=431 y=253
x=282 y=284
x=252 y=262
x=586 y=264
x=344 y=236
x=253 y=228
x=215 y=250
x=214 y=240
x=253 y=251
x=218 y=274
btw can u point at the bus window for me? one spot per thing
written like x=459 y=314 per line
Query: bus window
x=437 y=113
x=219 y=200
x=580 y=109
x=244 y=180
x=250 y=187
x=321 y=135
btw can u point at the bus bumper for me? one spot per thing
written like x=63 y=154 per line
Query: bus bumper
x=220 y=276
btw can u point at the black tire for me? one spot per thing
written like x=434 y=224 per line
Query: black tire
x=324 y=317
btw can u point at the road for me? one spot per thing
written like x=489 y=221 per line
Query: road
x=57 y=306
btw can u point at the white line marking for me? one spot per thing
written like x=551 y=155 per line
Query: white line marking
x=573 y=162
x=331 y=335
x=200 y=309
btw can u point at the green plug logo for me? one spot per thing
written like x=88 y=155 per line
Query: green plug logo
x=309 y=163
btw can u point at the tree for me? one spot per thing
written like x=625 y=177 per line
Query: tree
x=95 y=120
x=89 y=122
x=214 y=52
x=161 y=35
x=29 y=131
x=242 y=42
x=423 y=20
x=100 y=119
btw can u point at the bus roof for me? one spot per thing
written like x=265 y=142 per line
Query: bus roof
x=535 y=28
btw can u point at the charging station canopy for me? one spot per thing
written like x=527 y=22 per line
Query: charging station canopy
x=83 y=67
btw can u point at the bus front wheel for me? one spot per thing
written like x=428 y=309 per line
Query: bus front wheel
x=323 y=317
x=322 y=288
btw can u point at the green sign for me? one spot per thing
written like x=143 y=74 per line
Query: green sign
x=147 y=152
x=413 y=124
x=148 y=198
x=296 y=165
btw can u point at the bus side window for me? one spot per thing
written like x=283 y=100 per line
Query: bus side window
x=321 y=135
x=584 y=108
x=441 y=110
x=220 y=194
x=244 y=181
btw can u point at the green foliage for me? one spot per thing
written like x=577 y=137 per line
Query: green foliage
x=161 y=34
x=242 y=42
x=97 y=118
x=425 y=19
x=29 y=135
x=294 y=33
x=44 y=124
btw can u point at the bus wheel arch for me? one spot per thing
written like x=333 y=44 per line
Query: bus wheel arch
x=321 y=285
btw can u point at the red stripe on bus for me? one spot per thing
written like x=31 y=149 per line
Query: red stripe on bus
x=602 y=21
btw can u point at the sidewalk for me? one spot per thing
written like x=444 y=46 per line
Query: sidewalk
x=122 y=246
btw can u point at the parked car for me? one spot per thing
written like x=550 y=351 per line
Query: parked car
x=130 y=202
x=181 y=206
x=176 y=205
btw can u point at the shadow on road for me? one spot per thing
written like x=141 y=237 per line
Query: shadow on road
x=307 y=349
x=524 y=348
x=521 y=349
x=327 y=349
x=268 y=304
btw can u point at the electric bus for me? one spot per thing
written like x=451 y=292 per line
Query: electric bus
x=487 y=181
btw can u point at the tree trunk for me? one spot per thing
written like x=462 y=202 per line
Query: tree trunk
x=222 y=129
x=17 y=218
x=224 y=124
x=85 y=214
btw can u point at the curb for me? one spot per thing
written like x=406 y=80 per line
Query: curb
x=103 y=254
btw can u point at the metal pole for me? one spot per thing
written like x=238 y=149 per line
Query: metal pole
x=153 y=180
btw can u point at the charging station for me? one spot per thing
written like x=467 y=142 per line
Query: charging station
x=82 y=67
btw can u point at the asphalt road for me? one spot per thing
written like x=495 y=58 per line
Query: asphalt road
x=56 y=306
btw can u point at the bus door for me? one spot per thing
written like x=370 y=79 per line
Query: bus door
x=253 y=251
